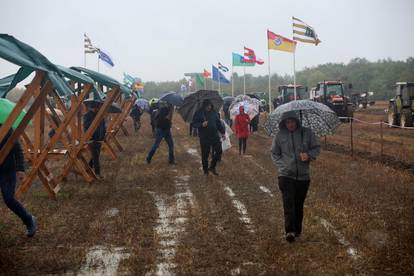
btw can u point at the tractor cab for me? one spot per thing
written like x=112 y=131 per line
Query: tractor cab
x=332 y=93
x=401 y=108
x=287 y=94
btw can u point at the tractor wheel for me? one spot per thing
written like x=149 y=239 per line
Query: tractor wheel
x=406 y=118
x=392 y=118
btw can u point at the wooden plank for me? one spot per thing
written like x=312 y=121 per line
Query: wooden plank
x=111 y=95
x=42 y=157
x=24 y=122
x=21 y=103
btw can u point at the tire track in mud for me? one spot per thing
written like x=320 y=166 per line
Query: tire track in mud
x=173 y=216
x=219 y=236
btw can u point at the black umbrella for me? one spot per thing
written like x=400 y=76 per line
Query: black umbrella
x=172 y=98
x=193 y=102
x=228 y=99
x=114 y=108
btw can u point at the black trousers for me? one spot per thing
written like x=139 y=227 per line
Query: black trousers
x=206 y=148
x=242 y=145
x=293 y=195
x=95 y=148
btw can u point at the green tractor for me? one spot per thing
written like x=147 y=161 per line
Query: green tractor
x=401 y=108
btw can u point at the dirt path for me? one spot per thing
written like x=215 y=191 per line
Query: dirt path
x=159 y=219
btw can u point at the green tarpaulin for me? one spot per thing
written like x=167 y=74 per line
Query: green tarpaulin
x=104 y=80
x=30 y=60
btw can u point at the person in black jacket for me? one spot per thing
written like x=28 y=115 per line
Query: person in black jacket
x=11 y=169
x=163 y=122
x=97 y=138
x=209 y=125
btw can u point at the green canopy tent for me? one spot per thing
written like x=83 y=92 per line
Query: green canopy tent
x=50 y=81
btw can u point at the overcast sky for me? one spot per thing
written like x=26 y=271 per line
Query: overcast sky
x=162 y=39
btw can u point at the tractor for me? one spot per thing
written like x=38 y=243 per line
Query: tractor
x=362 y=100
x=332 y=94
x=401 y=108
x=287 y=94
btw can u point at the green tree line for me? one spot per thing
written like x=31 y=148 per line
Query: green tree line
x=379 y=76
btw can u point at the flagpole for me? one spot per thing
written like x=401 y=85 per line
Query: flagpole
x=270 y=87
x=294 y=75
x=294 y=68
x=244 y=80
x=98 y=63
x=232 y=81
x=205 y=83
x=219 y=90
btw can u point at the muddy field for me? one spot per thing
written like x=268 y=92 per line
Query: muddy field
x=160 y=219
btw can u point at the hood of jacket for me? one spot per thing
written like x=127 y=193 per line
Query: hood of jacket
x=289 y=115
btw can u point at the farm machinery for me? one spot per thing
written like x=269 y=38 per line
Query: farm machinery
x=362 y=100
x=287 y=94
x=401 y=107
x=332 y=94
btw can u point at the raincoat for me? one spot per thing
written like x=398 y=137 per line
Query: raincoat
x=241 y=124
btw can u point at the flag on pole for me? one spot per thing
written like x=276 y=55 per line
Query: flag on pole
x=105 y=58
x=222 y=67
x=218 y=76
x=206 y=74
x=200 y=80
x=89 y=48
x=250 y=57
x=278 y=42
x=237 y=60
x=304 y=33
x=128 y=79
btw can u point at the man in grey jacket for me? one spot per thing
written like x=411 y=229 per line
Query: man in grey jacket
x=293 y=148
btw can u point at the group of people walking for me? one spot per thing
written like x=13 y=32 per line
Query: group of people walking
x=293 y=148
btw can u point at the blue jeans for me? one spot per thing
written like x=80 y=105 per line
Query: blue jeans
x=8 y=188
x=159 y=135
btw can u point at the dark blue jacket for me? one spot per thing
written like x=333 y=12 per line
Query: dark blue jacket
x=208 y=134
x=99 y=134
x=14 y=160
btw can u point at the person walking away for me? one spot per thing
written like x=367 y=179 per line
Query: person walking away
x=136 y=114
x=163 y=120
x=97 y=138
x=241 y=123
x=226 y=111
x=11 y=170
x=293 y=148
x=207 y=120
x=254 y=123
x=153 y=113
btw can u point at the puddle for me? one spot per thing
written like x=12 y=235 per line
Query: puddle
x=102 y=260
x=241 y=209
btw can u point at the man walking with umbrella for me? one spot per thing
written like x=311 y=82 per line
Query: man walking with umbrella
x=293 y=148
x=207 y=120
x=97 y=138
x=163 y=120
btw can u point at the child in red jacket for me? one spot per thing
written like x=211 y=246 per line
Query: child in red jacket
x=241 y=124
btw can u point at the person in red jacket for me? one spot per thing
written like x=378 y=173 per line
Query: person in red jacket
x=241 y=123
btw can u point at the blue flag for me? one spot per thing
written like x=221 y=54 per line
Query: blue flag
x=218 y=76
x=105 y=58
